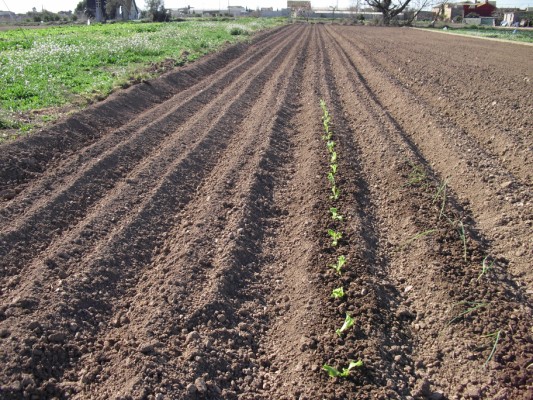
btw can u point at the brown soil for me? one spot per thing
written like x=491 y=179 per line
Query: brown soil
x=170 y=242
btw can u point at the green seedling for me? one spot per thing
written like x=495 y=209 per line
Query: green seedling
x=462 y=235
x=331 y=178
x=416 y=176
x=496 y=336
x=348 y=323
x=337 y=293
x=339 y=264
x=485 y=267
x=331 y=146
x=336 y=193
x=335 y=236
x=333 y=158
x=471 y=306
x=416 y=237
x=333 y=168
x=335 y=215
x=335 y=373
x=441 y=192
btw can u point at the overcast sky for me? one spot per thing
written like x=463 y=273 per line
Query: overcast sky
x=22 y=6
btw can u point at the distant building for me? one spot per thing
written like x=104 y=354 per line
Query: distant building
x=236 y=10
x=484 y=9
x=7 y=16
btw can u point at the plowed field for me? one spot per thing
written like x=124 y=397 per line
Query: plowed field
x=171 y=242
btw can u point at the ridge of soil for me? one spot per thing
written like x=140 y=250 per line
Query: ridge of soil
x=171 y=242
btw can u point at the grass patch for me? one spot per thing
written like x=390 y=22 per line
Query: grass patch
x=511 y=34
x=51 y=67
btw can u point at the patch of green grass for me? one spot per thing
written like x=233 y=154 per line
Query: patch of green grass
x=51 y=67
x=518 y=35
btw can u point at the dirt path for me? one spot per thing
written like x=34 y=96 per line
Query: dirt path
x=171 y=242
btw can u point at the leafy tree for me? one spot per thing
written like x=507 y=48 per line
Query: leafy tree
x=156 y=8
x=388 y=8
x=82 y=8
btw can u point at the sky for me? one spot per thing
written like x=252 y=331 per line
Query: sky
x=23 y=6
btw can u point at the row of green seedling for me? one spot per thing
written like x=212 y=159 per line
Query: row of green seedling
x=335 y=236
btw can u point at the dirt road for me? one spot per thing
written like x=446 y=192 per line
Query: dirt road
x=170 y=243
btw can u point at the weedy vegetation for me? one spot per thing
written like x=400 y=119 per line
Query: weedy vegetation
x=485 y=267
x=469 y=308
x=496 y=338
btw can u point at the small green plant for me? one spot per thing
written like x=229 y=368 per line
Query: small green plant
x=416 y=176
x=336 y=193
x=333 y=158
x=333 y=168
x=416 y=237
x=338 y=293
x=335 y=236
x=348 y=323
x=335 y=373
x=335 y=214
x=331 y=145
x=485 y=267
x=341 y=260
x=441 y=192
x=469 y=307
x=496 y=337
x=331 y=178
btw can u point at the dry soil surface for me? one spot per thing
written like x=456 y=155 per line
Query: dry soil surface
x=171 y=242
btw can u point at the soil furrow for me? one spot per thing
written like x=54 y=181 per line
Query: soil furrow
x=86 y=188
x=494 y=137
x=223 y=246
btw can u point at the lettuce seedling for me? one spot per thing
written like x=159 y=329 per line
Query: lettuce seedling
x=333 y=168
x=333 y=158
x=337 y=293
x=335 y=373
x=335 y=215
x=335 y=236
x=336 y=193
x=331 y=178
x=331 y=145
x=340 y=263
x=348 y=323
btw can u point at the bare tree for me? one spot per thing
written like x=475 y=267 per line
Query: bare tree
x=413 y=11
x=388 y=8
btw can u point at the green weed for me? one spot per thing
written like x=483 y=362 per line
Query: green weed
x=485 y=267
x=469 y=308
x=496 y=337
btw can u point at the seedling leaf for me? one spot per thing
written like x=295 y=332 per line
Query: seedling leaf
x=348 y=323
x=337 y=293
